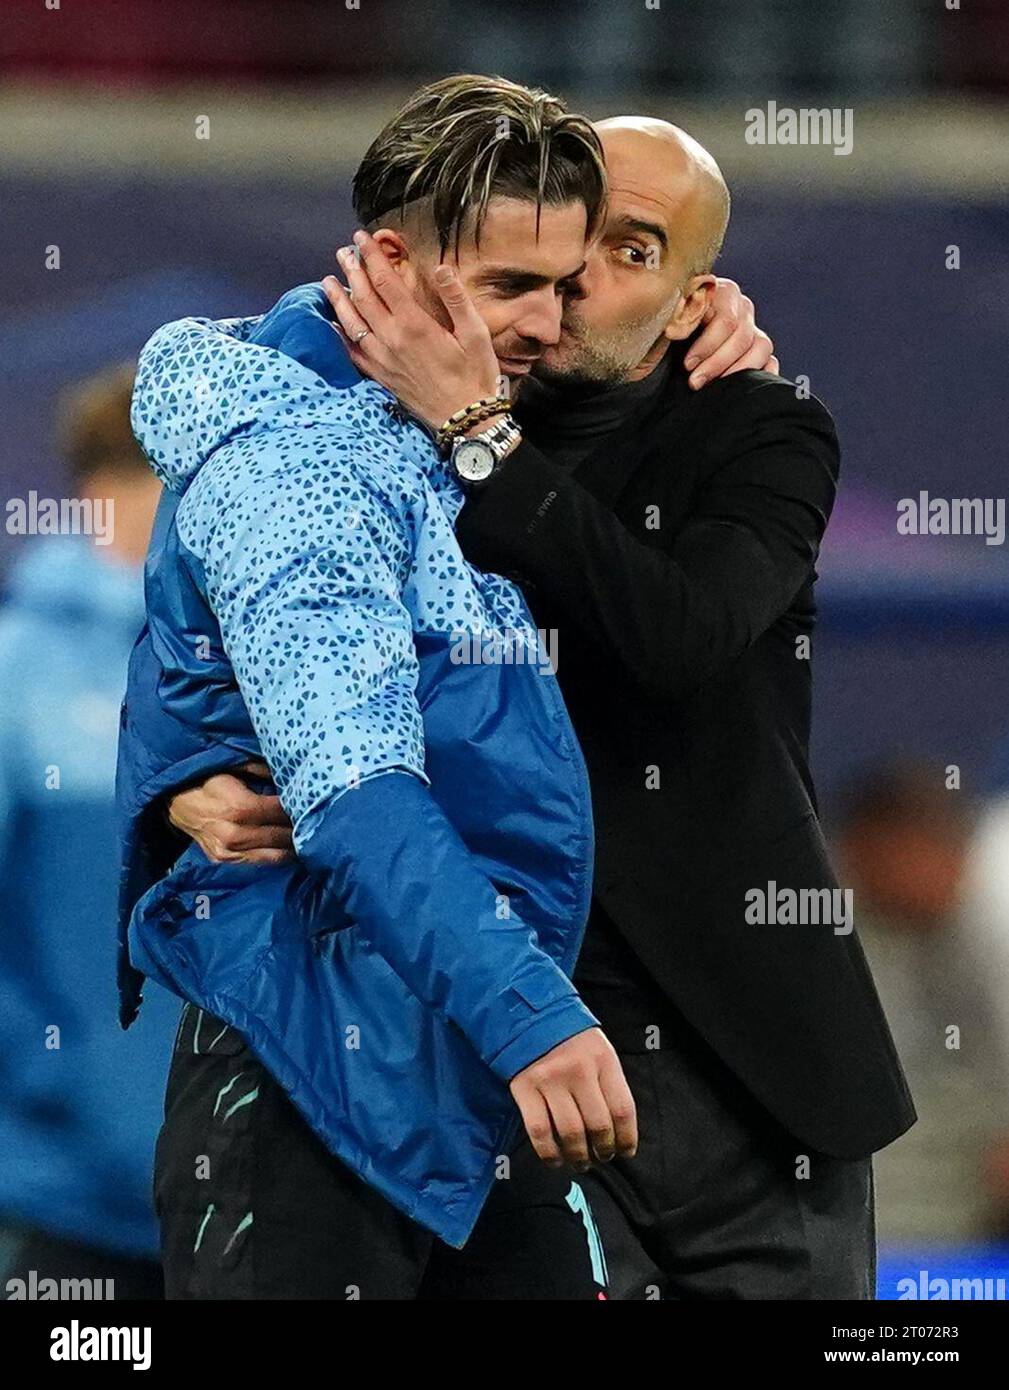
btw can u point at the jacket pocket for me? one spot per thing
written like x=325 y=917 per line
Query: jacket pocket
x=206 y=928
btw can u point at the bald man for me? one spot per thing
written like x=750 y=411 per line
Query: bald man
x=669 y=535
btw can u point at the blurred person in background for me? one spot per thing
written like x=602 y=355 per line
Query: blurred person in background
x=930 y=873
x=79 y=1101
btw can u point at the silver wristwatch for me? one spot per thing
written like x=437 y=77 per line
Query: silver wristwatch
x=475 y=461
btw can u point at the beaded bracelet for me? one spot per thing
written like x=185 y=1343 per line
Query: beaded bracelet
x=471 y=415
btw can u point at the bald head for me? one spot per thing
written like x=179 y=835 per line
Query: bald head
x=647 y=280
x=654 y=162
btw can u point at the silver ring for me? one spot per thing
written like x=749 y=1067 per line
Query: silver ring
x=363 y=334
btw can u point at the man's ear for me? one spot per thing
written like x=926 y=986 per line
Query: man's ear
x=398 y=254
x=697 y=295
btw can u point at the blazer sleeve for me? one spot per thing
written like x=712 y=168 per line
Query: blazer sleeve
x=306 y=582
x=673 y=617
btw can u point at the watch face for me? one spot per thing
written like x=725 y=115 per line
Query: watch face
x=474 y=461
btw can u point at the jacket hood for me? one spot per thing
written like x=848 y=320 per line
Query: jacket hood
x=200 y=382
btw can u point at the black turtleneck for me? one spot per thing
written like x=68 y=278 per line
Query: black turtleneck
x=568 y=422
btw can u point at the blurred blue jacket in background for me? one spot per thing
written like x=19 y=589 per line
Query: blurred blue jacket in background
x=78 y=1120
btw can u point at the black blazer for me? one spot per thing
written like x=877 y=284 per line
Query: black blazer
x=676 y=564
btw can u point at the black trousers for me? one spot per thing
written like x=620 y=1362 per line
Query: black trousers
x=252 y=1205
x=720 y=1202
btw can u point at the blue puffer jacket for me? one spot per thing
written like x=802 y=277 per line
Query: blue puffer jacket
x=307 y=602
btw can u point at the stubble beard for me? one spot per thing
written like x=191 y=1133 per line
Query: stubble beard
x=593 y=364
